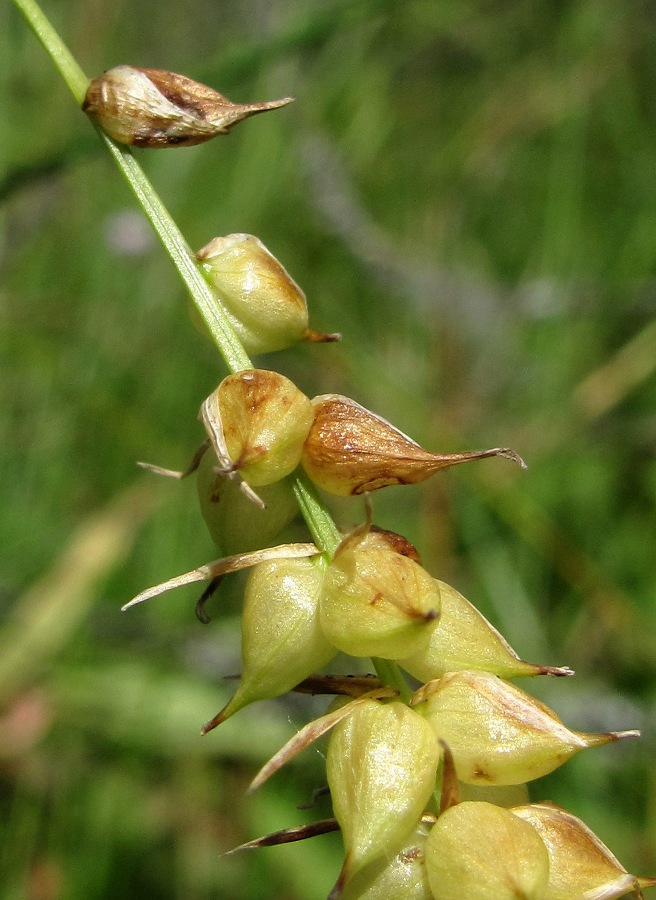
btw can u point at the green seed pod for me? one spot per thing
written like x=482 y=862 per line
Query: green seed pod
x=350 y=450
x=402 y=878
x=377 y=601
x=236 y=524
x=154 y=108
x=497 y=733
x=479 y=851
x=266 y=307
x=282 y=642
x=466 y=640
x=381 y=766
x=265 y=420
x=580 y=865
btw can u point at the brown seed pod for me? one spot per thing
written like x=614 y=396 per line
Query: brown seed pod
x=155 y=108
x=350 y=450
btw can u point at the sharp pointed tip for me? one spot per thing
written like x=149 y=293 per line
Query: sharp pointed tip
x=515 y=457
x=214 y=723
x=558 y=671
x=132 y=602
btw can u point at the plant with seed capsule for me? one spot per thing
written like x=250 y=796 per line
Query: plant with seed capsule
x=400 y=761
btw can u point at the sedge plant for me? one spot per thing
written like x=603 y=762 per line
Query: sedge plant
x=428 y=759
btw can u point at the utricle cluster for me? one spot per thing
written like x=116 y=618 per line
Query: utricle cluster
x=427 y=780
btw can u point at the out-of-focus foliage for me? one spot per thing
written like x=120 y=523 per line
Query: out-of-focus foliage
x=467 y=191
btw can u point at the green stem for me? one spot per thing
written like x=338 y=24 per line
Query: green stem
x=62 y=57
x=322 y=528
x=390 y=675
x=234 y=355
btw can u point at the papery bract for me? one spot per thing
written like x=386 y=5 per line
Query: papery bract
x=350 y=450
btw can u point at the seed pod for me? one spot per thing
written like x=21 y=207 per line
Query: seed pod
x=235 y=524
x=497 y=733
x=281 y=642
x=381 y=766
x=264 y=419
x=377 y=601
x=266 y=307
x=466 y=640
x=155 y=108
x=349 y=450
x=483 y=852
x=402 y=878
x=580 y=865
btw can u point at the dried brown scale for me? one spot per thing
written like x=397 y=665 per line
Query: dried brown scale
x=350 y=450
x=154 y=108
x=344 y=685
x=398 y=543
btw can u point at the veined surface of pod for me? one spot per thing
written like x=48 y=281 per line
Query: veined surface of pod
x=581 y=867
x=265 y=419
x=155 y=108
x=282 y=642
x=235 y=523
x=402 y=878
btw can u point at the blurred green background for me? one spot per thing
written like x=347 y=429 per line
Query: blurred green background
x=467 y=191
